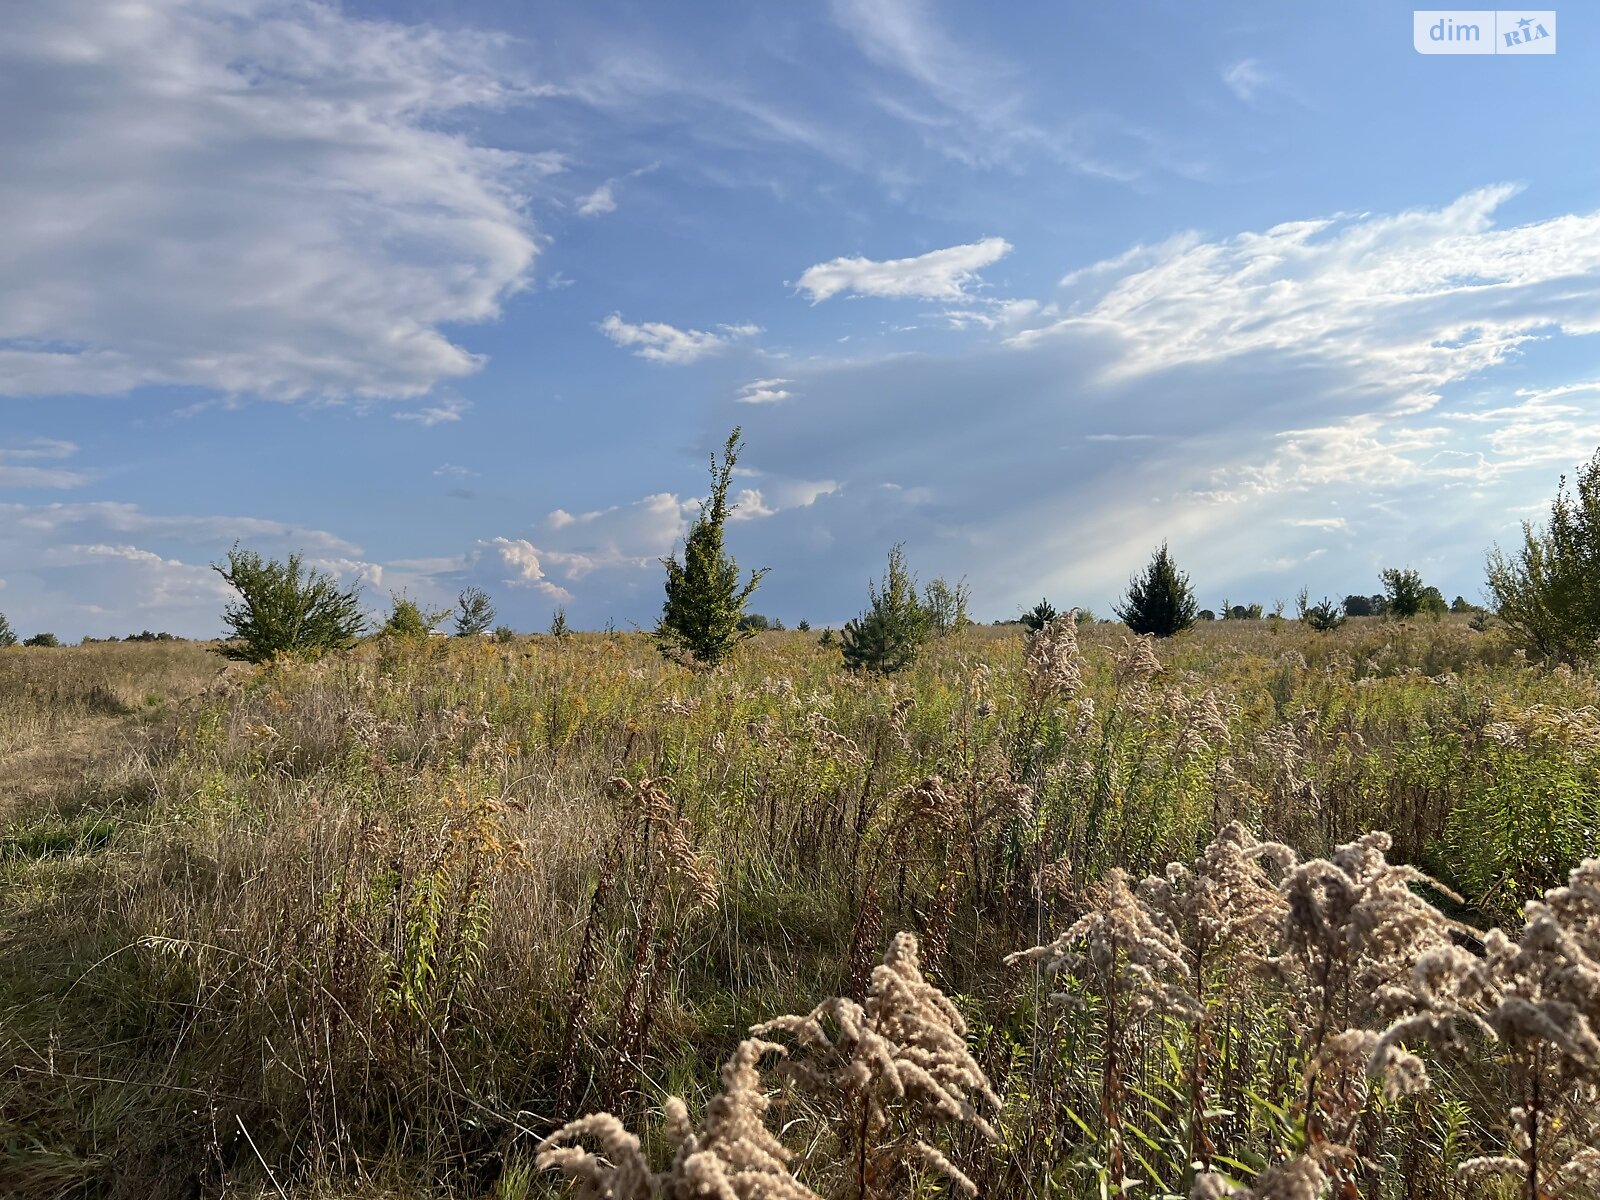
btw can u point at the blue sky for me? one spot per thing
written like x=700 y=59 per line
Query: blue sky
x=449 y=293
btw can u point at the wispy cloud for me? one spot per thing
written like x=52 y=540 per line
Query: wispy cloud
x=764 y=391
x=445 y=411
x=17 y=469
x=660 y=342
x=598 y=202
x=937 y=275
x=1246 y=78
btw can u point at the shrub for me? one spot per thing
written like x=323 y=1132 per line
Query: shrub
x=1548 y=592
x=1404 y=595
x=753 y=623
x=889 y=634
x=47 y=640
x=803 y=625
x=700 y=619
x=8 y=637
x=1322 y=617
x=474 y=612
x=286 y=609
x=1365 y=606
x=1159 y=602
x=504 y=634
x=558 y=623
x=408 y=619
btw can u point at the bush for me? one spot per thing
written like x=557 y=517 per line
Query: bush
x=504 y=634
x=1548 y=592
x=47 y=640
x=286 y=609
x=889 y=634
x=753 y=623
x=409 y=620
x=700 y=619
x=1159 y=602
x=1365 y=606
x=474 y=612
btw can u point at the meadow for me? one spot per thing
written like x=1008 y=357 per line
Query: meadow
x=381 y=924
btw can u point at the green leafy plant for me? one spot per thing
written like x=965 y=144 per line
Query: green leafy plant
x=1160 y=601
x=1404 y=594
x=284 y=608
x=7 y=636
x=47 y=640
x=409 y=620
x=705 y=601
x=887 y=637
x=1324 y=617
x=946 y=605
x=474 y=612
x=1548 y=592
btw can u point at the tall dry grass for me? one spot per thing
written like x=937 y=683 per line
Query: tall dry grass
x=388 y=921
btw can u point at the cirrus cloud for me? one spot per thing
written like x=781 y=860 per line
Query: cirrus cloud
x=937 y=275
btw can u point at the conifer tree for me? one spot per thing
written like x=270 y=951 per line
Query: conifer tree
x=700 y=619
x=1160 y=601
x=888 y=635
x=285 y=609
x=8 y=636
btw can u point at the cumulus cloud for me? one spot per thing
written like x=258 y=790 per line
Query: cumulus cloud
x=269 y=197
x=664 y=343
x=938 y=275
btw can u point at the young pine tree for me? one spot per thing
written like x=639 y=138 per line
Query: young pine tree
x=285 y=609
x=888 y=635
x=474 y=612
x=700 y=619
x=1160 y=601
x=8 y=636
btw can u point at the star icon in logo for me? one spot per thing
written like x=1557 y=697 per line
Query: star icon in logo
x=1524 y=23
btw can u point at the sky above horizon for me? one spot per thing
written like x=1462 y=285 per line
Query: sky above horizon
x=467 y=293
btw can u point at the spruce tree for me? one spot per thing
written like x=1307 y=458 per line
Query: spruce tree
x=888 y=635
x=700 y=619
x=8 y=636
x=1160 y=601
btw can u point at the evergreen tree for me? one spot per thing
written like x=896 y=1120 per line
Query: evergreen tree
x=474 y=612
x=888 y=635
x=8 y=636
x=1160 y=601
x=1548 y=592
x=285 y=609
x=1040 y=615
x=700 y=619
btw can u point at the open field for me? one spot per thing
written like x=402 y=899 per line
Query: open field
x=378 y=924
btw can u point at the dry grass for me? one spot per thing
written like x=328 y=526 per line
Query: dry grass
x=383 y=923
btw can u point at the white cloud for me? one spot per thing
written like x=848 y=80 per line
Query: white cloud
x=664 y=343
x=938 y=275
x=598 y=202
x=452 y=471
x=30 y=476
x=1245 y=78
x=445 y=411
x=764 y=391
x=260 y=197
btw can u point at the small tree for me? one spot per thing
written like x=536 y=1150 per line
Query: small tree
x=1404 y=595
x=286 y=609
x=1548 y=592
x=1323 y=617
x=889 y=634
x=558 y=623
x=1040 y=615
x=474 y=612
x=48 y=641
x=700 y=619
x=946 y=605
x=8 y=636
x=1160 y=601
